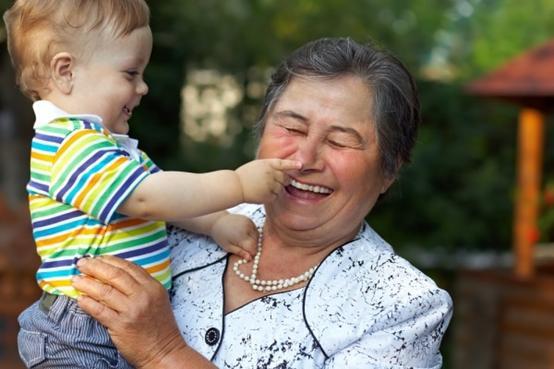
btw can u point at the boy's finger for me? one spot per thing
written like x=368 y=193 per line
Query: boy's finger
x=286 y=164
x=245 y=255
x=249 y=245
x=240 y=252
x=282 y=179
x=253 y=232
x=279 y=180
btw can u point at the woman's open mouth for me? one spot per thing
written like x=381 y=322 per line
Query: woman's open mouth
x=307 y=191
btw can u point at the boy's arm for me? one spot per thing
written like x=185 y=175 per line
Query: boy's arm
x=202 y=224
x=173 y=196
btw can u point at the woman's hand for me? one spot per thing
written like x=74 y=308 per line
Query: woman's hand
x=135 y=309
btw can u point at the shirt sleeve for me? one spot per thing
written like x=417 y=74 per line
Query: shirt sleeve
x=411 y=343
x=91 y=173
x=149 y=163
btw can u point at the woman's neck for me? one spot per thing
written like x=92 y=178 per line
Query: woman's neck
x=311 y=244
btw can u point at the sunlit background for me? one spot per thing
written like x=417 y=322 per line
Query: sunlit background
x=452 y=210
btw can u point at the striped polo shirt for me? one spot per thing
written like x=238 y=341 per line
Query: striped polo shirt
x=80 y=174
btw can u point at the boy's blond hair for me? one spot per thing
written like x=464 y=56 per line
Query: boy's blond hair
x=38 y=29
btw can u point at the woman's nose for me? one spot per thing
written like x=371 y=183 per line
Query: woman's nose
x=309 y=153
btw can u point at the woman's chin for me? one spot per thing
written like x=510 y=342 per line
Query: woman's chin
x=295 y=218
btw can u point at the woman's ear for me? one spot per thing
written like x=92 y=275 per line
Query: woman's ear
x=387 y=182
x=62 y=74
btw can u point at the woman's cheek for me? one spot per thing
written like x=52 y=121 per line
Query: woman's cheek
x=353 y=167
x=278 y=146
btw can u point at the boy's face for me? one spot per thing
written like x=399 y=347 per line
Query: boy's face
x=110 y=83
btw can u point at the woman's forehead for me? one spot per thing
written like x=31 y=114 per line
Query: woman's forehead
x=342 y=100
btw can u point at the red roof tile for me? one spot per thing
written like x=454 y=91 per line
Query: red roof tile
x=526 y=79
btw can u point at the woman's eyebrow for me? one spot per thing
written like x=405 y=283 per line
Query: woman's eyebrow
x=291 y=114
x=348 y=130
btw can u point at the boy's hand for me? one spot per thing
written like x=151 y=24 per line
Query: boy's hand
x=236 y=234
x=262 y=180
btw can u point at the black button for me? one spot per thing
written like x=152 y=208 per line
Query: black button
x=212 y=336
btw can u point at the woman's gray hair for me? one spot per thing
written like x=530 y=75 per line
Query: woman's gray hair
x=396 y=110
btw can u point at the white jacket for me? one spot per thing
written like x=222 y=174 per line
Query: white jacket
x=365 y=307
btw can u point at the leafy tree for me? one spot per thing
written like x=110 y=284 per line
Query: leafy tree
x=486 y=33
x=458 y=192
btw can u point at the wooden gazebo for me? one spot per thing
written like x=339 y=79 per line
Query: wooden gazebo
x=505 y=318
x=527 y=80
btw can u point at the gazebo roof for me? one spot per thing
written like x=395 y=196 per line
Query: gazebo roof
x=527 y=79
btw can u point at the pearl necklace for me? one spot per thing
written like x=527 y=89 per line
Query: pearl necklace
x=268 y=285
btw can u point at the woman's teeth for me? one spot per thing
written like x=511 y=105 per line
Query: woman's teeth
x=307 y=187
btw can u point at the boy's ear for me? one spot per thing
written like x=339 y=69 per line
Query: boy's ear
x=61 y=67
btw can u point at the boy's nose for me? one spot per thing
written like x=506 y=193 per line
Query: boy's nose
x=142 y=88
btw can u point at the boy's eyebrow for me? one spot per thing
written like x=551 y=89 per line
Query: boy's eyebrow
x=136 y=60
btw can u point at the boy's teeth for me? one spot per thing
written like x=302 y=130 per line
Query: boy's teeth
x=307 y=187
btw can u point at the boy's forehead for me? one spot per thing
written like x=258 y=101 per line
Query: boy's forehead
x=135 y=46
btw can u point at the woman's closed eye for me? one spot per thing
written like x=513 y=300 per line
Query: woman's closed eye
x=345 y=141
x=338 y=144
x=297 y=129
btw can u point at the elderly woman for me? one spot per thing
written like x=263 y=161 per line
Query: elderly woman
x=324 y=290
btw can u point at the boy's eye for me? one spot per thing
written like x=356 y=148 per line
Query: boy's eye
x=131 y=73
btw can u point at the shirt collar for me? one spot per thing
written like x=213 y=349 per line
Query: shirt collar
x=128 y=144
x=46 y=111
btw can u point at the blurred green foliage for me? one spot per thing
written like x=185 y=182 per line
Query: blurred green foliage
x=459 y=190
x=498 y=30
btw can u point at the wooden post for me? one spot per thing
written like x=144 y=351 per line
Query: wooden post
x=529 y=168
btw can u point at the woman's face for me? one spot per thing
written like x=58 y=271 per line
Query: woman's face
x=327 y=125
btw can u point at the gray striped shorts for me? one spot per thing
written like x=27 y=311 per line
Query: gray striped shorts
x=56 y=333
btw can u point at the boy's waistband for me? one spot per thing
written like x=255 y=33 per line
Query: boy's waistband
x=47 y=300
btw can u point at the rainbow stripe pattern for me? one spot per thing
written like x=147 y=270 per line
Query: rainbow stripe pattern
x=79 y=177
